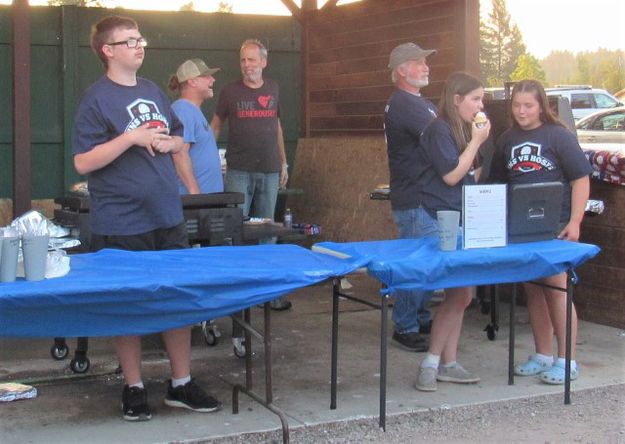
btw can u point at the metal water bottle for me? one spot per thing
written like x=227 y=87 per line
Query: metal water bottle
x=288 y=218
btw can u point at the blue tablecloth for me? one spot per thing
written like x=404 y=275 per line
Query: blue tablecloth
x=419 y=264
x=115 y=292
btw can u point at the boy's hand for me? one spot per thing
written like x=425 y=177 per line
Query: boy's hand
x=163 y=143
x=152 y=139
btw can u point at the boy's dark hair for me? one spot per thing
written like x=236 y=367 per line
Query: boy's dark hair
x=101 y=33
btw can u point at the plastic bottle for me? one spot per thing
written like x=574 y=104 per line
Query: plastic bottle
x=288 y=218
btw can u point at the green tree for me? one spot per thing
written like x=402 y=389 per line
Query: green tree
x=602 y=69
x=528 y=67
x=582 y=77
x=188 y=7
x=559 y=67
x=224 y=7
x=83 y=3
x=613 y=73
x=501 y=44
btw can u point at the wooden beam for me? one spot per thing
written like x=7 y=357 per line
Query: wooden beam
x=329 y=4
x=295 y=11
x=467 y=17
x=307 y=7
x=21 y=108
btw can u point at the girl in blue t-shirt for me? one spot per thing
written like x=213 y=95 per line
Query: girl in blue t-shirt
x=448 y=153
x=555 y=156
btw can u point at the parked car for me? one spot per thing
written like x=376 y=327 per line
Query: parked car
x=584 y=99
x=602 y=127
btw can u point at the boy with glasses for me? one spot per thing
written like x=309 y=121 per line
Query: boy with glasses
x=124 y=136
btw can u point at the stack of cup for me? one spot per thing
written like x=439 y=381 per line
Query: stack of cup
x=448 y=223
x=9 y=251
x=35 y=248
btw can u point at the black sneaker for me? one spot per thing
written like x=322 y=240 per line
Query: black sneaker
x=410 y=341
x=135 y=404
x=425 y=329
x=191 y=396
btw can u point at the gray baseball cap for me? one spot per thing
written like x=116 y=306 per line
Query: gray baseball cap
x=407 y=51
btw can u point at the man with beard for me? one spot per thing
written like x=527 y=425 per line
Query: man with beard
x=255 y=156
x=197 y=163
x=405 y=117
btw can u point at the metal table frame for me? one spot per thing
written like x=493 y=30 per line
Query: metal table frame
x=383 y=307
x=248 y=388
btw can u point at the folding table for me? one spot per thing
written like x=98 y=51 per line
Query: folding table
x=407 y=264
x=117 y=293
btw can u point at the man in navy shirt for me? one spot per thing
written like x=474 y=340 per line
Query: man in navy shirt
x=124 y=135
x=406 y=114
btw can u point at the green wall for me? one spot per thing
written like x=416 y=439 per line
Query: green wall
x=60 y=38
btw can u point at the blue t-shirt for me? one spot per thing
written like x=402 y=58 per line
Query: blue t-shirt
x=549 y=153
x=405 y=117
x=136 y=193
x=438 y=155
x=203 y=151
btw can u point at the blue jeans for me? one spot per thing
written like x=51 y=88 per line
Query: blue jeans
x=411 y=307
x=260 y=191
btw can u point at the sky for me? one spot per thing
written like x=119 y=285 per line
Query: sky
x=546 y=25
x=574 y=25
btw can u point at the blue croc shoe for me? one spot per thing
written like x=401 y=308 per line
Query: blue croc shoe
x=531 y=367
x=556 y=375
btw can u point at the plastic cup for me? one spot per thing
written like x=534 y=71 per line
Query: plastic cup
x=448 y=222
x=35 y=257
x=8 y=264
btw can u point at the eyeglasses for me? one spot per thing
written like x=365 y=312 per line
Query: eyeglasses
x=131 y=43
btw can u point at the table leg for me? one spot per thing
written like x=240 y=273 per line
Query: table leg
x=569 y=314
x=268 y=363
x=383 y=333
x=335 y=333
x=511 y=336
x=249 y=370
x=248 y=388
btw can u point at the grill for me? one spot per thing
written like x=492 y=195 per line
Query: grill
x=212 y=219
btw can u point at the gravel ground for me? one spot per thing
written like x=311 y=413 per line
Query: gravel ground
x=595 y=416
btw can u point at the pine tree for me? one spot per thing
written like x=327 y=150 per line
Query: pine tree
x=501 y=44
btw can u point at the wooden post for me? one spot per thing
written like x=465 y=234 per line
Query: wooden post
x=467 y=16
x=307 y=7
x=21 y=108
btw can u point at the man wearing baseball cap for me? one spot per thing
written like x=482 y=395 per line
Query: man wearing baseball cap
x=406 y=115
x=197 y=163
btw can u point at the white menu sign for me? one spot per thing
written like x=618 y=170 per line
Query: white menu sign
x=484 y=216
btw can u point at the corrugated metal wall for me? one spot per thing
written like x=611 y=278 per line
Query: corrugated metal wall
x=63 y=66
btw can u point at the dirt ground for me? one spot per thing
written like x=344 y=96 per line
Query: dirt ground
x=595 y=416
